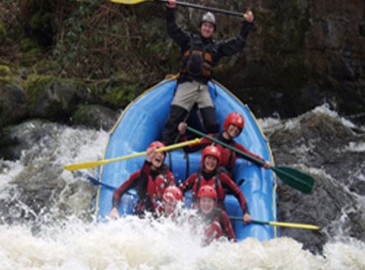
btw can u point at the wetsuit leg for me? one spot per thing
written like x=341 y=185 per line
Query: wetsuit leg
x=177 y=114
x=209 y=119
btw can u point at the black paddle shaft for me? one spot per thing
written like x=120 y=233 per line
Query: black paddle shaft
x=246 y=156
x=290 y=176
x=216 y=10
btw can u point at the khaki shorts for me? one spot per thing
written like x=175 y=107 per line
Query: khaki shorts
x=189 y=93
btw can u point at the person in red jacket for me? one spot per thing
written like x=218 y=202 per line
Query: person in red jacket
x=210 y=174
x=232 y=128
x=150 y=182
x=170 y=199
x=215 y=220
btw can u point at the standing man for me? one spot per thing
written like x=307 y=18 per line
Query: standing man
x=200 y=53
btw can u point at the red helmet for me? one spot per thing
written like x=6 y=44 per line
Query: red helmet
x=156 y=144
x=172 y=193
x=207 y=192
x=234 y=118
x=214 y=151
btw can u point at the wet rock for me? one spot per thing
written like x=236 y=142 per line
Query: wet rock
x=303 y=53
x=358 y=186
x=322 y=145
x=12 y=103
x=41 y=196
x=52 y=98
x=95 y=116
x=293 y=63
x=15 y=139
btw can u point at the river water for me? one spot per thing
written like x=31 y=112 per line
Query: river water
x=47 y=214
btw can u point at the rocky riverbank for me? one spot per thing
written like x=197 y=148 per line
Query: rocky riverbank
x=73 y=62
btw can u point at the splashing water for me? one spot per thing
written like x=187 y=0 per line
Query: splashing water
x=35 y=188
x=47 y=217
x=142 y=244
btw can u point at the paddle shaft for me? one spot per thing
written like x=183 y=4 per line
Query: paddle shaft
x=216 y=10
x=96 y=182
x=282 y=224
x=92 y=164
x=184 y=4
x=248 y=157
x=290 y=176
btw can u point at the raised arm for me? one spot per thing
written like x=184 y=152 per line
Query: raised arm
x=173 y=30
x=235 y=45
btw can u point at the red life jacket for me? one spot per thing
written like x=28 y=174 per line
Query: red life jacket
x=215 y=226
x=212 y=232
x=149 y=199
x=156 y=187
x=214 y=182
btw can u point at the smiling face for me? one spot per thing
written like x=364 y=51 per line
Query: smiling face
x=206 y=204
x=210 y=164
x=169 y=207
x=233 y=131
x=157 y=160
x=207 y=29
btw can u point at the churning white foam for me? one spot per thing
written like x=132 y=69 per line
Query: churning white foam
x=131 y=243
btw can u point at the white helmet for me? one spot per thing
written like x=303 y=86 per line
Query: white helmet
x=209 y=17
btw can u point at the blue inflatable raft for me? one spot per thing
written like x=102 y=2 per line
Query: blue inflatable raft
x=142 y=122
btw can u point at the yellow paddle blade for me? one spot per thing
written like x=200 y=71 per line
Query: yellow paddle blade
x=92 y=164
x=294 y=225
x=129 y=2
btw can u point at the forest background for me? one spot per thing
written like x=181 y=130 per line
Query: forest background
x=76 y=62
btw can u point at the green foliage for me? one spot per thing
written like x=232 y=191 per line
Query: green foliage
x=81 y=40
x=30 y=52
x=34 y=86
x=92 y=39
x=104 y=39
x=4 y=70
x=83 y=116
x=117 y=97
x=41 y=21
x=3 y=31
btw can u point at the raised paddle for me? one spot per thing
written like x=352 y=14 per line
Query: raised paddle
x=92 y=164
x=282 y=224
x=289 y=176
x=184 y=4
